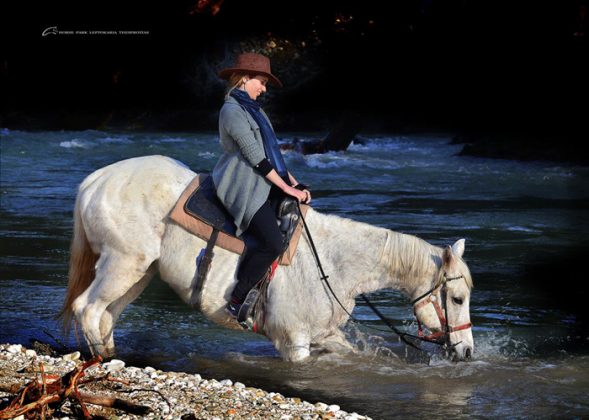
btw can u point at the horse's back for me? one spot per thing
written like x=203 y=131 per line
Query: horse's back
x=128 y=201
x=153 y=166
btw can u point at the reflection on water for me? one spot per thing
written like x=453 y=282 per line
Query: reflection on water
x=520 y=221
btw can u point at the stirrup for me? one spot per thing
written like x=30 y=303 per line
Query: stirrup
x=232 y=309
x=244 y=316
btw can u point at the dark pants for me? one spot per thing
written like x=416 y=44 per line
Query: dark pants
x=258 y=259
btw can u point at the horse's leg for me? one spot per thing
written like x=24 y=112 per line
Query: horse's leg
x=296 y=348
x=116 y=274
x=114 y=310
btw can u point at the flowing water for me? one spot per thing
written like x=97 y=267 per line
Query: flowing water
x=524 y=225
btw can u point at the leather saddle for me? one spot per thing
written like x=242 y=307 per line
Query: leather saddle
x=206 y=206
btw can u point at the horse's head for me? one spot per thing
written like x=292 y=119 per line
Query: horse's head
x=444 y=308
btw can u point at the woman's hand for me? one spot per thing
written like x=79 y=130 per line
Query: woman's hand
x=304 y=188
x=307 y=200
x=301 y=196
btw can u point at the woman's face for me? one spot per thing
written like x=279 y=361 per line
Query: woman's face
x=255 y=86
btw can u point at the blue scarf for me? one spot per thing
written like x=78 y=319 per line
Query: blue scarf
x=271 y=147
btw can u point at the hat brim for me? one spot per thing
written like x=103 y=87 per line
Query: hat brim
x=226 y=73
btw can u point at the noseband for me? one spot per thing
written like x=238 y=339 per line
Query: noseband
x=428 y=297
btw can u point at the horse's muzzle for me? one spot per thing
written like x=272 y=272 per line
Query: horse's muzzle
x=462 y=353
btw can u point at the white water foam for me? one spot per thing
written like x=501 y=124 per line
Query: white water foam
x=522 y=229
x=77 y=144
x=343 y=160
x=207 y=155
x=500 y=344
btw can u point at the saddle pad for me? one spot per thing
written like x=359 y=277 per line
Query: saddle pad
x=226 y=240
x=204 y=204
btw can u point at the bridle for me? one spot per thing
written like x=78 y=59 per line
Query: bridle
x=429 y=297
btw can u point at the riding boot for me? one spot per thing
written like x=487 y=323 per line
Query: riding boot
x=243 y=311
x=233 y=307
x=247 y=305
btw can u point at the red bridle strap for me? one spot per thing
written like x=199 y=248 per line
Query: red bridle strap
x=460 y=327
x=445 y=328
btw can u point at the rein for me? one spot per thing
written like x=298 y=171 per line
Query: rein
x=402 y=335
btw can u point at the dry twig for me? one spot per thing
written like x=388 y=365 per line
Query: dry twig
x=41 y=398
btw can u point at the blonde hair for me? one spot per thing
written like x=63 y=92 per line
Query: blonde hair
x=234 y=81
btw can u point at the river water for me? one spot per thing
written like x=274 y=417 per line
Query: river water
x=524 y=223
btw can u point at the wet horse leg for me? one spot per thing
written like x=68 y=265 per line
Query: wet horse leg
x=116 y=274
x=114 y=310
x=297 y=348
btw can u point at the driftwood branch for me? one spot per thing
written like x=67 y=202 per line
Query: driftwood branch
x=110 y=402
x=10 y=388
x=44 y=396
x=115 y=403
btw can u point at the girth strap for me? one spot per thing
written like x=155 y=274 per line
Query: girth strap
x=204 y=263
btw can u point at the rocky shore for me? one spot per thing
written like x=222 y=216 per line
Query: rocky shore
x=166 y=395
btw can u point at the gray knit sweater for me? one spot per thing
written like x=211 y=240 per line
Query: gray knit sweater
x=240 y=188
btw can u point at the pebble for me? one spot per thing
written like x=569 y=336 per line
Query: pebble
x=178 y=394
x=321 y=406
x=114 y=365
x=334 y=408
x=72 y=356
x=15 y=348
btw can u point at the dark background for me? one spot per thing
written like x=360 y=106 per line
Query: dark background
x=475 y=66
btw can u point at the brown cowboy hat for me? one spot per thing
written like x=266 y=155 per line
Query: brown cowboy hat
x=251 y=63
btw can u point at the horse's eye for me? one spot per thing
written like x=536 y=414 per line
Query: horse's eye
x=457 y=301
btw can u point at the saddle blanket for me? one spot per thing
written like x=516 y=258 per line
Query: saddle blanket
x=201 y=225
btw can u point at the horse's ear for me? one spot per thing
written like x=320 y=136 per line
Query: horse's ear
x=447 y=256
x=458 y=248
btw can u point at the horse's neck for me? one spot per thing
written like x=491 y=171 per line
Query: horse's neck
x=411 y=262
x=369 y=258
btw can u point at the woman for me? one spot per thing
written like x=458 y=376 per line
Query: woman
x=251 y=176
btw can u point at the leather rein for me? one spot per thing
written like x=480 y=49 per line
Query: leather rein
x=429 y=297
x=441 y=338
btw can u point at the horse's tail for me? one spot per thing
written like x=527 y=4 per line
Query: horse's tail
x=81 y=271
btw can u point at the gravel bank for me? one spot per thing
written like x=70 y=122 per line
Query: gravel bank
x=170 y=395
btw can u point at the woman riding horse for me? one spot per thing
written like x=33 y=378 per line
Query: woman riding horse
x=251 y=177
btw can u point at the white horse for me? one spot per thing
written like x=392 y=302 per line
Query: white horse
x=122 y=237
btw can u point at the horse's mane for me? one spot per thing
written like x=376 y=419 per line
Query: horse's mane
x=412 y=257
